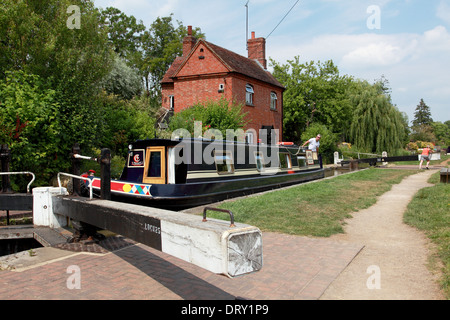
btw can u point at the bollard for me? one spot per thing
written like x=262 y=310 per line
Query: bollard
x=105 y=174
x=5 y=157
x=76 y=163
x=43 y=207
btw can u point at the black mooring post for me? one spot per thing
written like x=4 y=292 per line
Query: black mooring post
x=76 y=163
x=5 y=157
x=105 y=174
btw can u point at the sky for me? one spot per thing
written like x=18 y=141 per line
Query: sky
x=406 y=41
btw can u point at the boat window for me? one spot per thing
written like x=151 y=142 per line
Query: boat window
x=259 y=160
x=285 y=160
x=155 y=165
x=154 y=168
x=136 y=158
x=224 y=162
x=302 y=161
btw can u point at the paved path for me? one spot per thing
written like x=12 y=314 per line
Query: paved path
x=294 y=268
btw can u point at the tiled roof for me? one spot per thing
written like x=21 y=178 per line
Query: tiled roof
x=172 y=70
x=233 y=61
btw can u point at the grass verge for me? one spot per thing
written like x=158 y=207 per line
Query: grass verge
x=314 y=209
x=429 y=211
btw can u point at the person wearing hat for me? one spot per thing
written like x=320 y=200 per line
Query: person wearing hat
x=313 y=143
x=426 y=154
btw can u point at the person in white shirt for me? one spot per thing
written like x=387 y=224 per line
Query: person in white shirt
x=313 y=143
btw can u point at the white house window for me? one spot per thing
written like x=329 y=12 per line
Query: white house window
x=249 y=137
x=273 y=101
x=249 y=94
x=171 y=102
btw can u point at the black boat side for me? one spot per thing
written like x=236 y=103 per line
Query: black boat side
x=178 y=174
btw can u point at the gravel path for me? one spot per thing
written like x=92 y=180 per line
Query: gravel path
x=393 y=263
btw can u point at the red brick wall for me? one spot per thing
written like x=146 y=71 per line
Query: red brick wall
x=167 y=90
x=194 y=90
x=202 y=63
x=260 y=113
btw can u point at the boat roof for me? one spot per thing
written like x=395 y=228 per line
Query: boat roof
x=139 y=144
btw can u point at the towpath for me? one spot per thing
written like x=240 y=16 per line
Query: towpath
x=393 y=262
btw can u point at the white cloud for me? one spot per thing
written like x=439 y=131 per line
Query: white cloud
x=443 y=11
x=416 y=64
x=380 y=54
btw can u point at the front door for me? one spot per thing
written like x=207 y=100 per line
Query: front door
x=155 y=165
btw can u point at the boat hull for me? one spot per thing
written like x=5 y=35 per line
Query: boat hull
x=188 y=195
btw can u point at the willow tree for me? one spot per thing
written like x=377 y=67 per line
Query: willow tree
x=377 y=125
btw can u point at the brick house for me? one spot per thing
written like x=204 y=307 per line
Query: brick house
x=209 y=72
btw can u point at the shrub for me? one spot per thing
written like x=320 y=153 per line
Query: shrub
x=218 y=115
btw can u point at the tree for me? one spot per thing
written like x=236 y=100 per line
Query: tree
x=442 y=133
x=160 y=45
x=377 y=125
x=315 y=92
x=50 y=73
x=422 y=116
x=123 y=80
x=30 y=124
x=124 y=32
x=36 y=38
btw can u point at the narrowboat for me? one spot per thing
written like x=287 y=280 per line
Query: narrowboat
x=184 y=173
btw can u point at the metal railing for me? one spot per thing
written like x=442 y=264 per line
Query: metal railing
x=76 y=177
x=22 y=172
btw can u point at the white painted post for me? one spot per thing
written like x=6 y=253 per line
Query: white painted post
x=43 y=207
x=336 y=158
x=384 y=155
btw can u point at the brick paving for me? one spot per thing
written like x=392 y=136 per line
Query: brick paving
x=294 y=268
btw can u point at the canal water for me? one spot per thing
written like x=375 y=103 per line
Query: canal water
x=10 y=246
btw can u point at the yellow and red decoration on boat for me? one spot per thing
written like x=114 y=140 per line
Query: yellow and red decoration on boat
x=136 y=189
x=126 y=187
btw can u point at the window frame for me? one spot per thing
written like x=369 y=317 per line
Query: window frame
x=259 y=156
x=229 y=163
x=171 y=102
x=162 y=177
x=273 y=100
x=249 y=94
x=287 y=160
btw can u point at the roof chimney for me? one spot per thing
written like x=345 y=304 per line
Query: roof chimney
x=188 y=42
x=257 y=49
